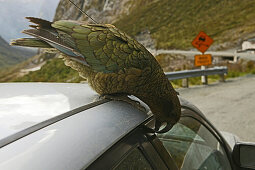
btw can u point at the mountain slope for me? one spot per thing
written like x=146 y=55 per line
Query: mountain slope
x=172 y=24
x=11 y=55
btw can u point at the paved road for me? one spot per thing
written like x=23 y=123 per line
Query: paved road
x=230 y=105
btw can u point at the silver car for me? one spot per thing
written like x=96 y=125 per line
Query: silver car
x=57 y=126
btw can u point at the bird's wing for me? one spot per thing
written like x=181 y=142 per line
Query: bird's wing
x=104 y=47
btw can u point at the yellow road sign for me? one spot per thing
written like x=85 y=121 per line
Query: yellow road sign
x=203 y=60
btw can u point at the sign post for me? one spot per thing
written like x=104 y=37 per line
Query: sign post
x=202 y=42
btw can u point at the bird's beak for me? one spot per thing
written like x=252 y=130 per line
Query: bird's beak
x=165 y=129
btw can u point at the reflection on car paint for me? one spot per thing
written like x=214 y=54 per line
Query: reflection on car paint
x=20 y=112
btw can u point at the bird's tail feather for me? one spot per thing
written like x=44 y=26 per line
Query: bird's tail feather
x=30 y=42
x=40 y=23
x=47 y=37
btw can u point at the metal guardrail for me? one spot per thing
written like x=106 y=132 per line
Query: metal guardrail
x=185 y=74
x=234 y=54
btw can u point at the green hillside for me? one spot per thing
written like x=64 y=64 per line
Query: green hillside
x=11 y=55
x=53 y=71
x=174 y=24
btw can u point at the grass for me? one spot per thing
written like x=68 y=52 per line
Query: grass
x=10 y=73
x=196 y=81
x=53 y=71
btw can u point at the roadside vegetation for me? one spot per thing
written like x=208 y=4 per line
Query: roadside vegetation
x=11 y=73
x=171 y=63
x=53 y=71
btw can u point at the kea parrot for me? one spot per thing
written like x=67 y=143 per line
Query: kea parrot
x=114 y=64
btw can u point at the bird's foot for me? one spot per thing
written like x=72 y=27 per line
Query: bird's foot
x=125 y=98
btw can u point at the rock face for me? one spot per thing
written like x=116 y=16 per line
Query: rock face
x=103 y=11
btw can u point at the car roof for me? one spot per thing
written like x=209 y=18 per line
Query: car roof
x=80 y=135
x=26 y=104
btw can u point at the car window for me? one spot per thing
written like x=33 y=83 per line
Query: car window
x=193 y=146
x=134 y=160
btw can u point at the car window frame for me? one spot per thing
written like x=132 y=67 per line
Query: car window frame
x=158 y=146
x=135 y=139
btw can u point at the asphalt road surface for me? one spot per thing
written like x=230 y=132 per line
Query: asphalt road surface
x=230 y=106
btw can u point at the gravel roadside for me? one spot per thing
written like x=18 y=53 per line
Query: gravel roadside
x=230 y=106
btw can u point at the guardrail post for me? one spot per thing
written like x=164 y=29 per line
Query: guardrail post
x=185 y=82
x=204 y=78
x=222 y=77
x=235 y=58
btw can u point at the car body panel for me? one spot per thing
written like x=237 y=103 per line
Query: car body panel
x=81 y=139
x=230 y=138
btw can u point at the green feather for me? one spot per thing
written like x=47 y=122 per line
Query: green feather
x=30 y=42
x=109 y=45
x=83 y=44
x=107 y=50
x=127 y=49
x=82 y=30
x=93 y=34
x=95 y=43
x=102 y=36
x=79 y=36
x=92 y=61
x=87 y=53
x=98 y=52
x=66 y=23
x=62 y=28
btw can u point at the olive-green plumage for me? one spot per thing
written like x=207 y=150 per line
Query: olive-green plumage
x=112 y=62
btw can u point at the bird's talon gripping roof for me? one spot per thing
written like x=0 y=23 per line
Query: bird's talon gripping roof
x=111 y=61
